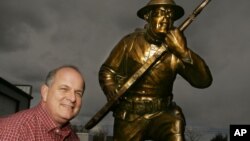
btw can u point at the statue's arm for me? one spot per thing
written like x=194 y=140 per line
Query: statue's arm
x=109 y=71
x=195 y=71
x=190 y=65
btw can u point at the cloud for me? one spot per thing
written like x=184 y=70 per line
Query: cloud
x=18 y=21
x=37 y=36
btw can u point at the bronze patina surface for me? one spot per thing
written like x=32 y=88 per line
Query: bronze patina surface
x=146 y=109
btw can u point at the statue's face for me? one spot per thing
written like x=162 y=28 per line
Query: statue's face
x=160 y=20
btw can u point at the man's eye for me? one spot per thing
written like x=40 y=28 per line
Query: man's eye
x=79 y=93
x=63 y=89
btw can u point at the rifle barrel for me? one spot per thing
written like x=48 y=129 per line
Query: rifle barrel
x=196 y=12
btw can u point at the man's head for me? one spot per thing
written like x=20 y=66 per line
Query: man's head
x=62 y=93
x=160 y=15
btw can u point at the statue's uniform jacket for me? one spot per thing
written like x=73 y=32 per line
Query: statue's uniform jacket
x=157 y=82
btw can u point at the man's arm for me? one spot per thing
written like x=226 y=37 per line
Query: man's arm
x=11 y=133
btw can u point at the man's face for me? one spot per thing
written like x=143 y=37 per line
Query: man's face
x=63 y=97
x=160 y=20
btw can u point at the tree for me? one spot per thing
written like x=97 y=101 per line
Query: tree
x=99 y=133
x=219 y=137
x=192 y=135
x=79 y=128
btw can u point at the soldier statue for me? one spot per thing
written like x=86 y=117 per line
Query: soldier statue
x=147 y=111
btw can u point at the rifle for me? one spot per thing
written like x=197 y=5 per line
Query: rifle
x=106 y=108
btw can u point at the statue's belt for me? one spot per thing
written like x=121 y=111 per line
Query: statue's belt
x=144 y=105
x=149 y=91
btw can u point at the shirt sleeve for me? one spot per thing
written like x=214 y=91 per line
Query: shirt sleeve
x=12 y=133
x=196 y=72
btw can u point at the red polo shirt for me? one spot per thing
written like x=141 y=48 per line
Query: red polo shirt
x=34 y=124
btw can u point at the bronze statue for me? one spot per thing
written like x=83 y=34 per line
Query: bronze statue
x=146 y=110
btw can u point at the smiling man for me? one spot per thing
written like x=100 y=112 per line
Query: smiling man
x=49 y=121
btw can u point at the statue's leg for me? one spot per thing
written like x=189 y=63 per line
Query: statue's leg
x=166 y=127
x=176 y=137
x=129 y=130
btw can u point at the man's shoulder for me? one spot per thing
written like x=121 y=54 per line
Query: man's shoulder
x=19 y=119
x=12 y=126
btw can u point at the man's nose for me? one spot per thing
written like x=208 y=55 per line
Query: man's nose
x=72 y=96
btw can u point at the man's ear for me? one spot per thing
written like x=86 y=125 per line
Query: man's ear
x=44 y=92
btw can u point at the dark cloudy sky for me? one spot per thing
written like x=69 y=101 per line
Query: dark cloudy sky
x=38 y=35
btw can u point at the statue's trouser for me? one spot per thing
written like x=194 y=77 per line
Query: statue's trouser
x=165 y=127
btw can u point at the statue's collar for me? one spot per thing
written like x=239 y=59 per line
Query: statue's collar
x=152 y=39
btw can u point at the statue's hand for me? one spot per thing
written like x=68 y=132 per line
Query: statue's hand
x=177 y=43
x=110 y=92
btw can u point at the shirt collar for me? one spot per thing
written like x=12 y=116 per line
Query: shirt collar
x=47 y=121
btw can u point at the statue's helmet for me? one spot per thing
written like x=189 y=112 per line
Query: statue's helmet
x=178 y=11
